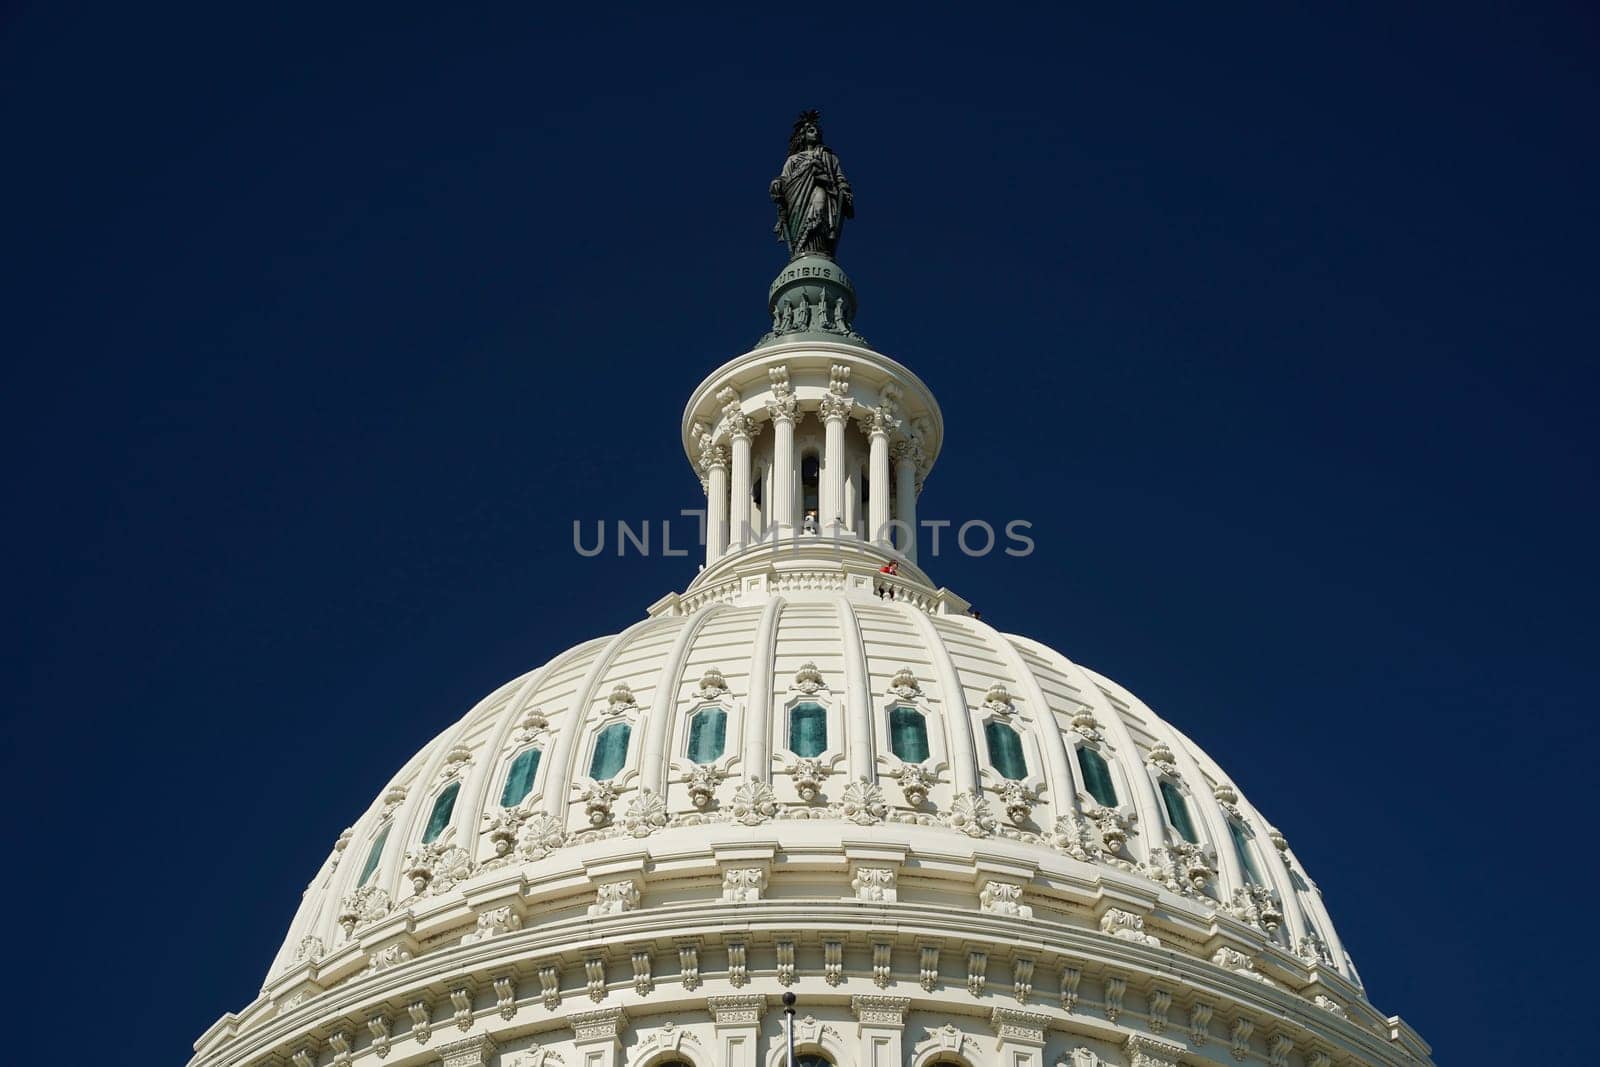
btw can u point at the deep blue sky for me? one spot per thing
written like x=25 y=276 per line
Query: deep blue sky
x=321 y=328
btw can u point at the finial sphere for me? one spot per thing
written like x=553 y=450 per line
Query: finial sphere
x=811 y=192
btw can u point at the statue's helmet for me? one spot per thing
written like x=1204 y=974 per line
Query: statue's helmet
x=806 y=120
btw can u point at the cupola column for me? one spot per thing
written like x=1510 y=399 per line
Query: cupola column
x=740 y=430
x=782 y=409
x=877 y=424
x=835 y=412
x=905 y=492
x=714 y=461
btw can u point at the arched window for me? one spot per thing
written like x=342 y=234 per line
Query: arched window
x=374 y=854
x=810 y=478
x=1247 y=853
x=1178 y=811
x=808 y=730
x=1005 y=750
x=519 y=779
x=1097 y=776
x=442 y=809
x=812 y=1059
x=908 y=734
x=610 y=751
x=708 y=734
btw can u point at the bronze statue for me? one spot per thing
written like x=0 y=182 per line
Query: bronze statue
x=812 y=194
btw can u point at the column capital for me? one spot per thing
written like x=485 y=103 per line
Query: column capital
x=737 y=1010
x=836 y=408
x=604 y=1024
x=907 y=450
x=474 y=1051
x=879 y=421
x=783 y=408
x=1024 y=1027
x=738 y=425
x=713 y=456
x=880 y=1010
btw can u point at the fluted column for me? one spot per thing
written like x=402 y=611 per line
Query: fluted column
x=905 y=492
x=782 y=409
x=835 y=413
x=740 y=430
x=878 y=424
x=714 y=462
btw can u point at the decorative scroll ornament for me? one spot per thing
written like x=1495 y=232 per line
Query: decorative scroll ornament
x=309 y=950
x=365 y=905
x=393 y=797
x=1231 y=959
x=598 y=797
x=1328 y=1004
x=1112 y=826
x=915 y=781
x=1077 y=837
x=743 y=885
x=614 y=898
x=971 y=815
x=712 y=685
x=493 y=923
x=386 y=957
x=703 y=779
x=784 y=405
x=1126 y=926
x=1313 y=950
x=878 y=420
x=1018 y=800
x=863 y=803
x=876 y=885
x=1256 y=905
x=646 y=814
x=997 y=701
x=904 y=685
x=808 y=776
x=808 y=679
x=1004 y=898
x=754 y=803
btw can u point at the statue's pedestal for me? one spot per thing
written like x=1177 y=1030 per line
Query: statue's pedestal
x=812 y=298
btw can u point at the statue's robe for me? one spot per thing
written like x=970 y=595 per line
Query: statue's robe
x=813 y=190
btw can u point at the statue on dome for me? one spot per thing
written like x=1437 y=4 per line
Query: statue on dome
x=811 y=192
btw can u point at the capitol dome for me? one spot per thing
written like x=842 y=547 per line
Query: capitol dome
x=813 y=771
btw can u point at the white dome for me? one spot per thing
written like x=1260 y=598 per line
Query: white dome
x=812 y=772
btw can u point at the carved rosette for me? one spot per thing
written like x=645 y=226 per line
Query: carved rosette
x=365 y=905
x=754 y=803
x=540 y=835
x=863 y=803
x=743 y=885
x=646 y=814
x=876 y=885
x=1004 y=898
x=971 y=815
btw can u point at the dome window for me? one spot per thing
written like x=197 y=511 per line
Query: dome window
x=1097 y=777
x=443 y=808
x=708 y=734
x=1005 y=750
x=1178 y=812
x=374 y=854
x=610 y=752
x=810 y=478
x=519 y=779
x=808 y=730
x=908 y=735
x=1247 y=854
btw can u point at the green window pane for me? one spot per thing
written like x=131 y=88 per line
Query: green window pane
x=908 y=734
x=708 y=734
x=1178 y=811
x=610 y=752
x=519 y=779
x=1097 y=776
x=808 y=730
x=442 y=808
x=1247 y=855
x=1005 y=750
x=374 y=854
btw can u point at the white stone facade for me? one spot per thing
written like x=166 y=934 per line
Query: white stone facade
x=925 y=911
